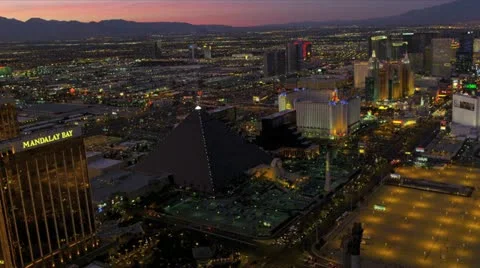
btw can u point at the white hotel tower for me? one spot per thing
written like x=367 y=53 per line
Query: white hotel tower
x=321 y=113
x=466 y=110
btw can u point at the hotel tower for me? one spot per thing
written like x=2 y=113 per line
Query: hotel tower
x=46 y=213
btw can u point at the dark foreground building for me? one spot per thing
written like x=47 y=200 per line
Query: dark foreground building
x=280 y=130
x=351 y=247
x=202 y=153
x=46 y=213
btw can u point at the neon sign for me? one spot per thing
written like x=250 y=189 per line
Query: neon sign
x=47 y=139
x=471 y=86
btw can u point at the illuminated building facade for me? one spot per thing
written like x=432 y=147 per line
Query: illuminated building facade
x=306 y=51
x=8 y=120
x=442 y=56
x=391 y=80
x=46 y=207
x=476 y=45
x=476 y=59
x=298 y=52
x=320 y=82
x=373 y=87
x=407 y=77
x=466 y=107
x=360 y=72
x=476 y=53
x=381 y=45
x=383 y=86
x=287 y=100
x=399 y=49
x=322 y=113
x=370 y=89
x=207 y=51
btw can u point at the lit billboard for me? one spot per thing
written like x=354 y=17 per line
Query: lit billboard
x=464 y=105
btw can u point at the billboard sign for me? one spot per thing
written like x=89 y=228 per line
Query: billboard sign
x=395 y=176
x=420 y=150
x=465 y=105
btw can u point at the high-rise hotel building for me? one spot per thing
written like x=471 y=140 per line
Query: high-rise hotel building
x=382 y=45
x=297 y=53
x=443 y=54
x=274 y=63
x=8 y=119
x=322 y=113
x=46 y=212
x=360 y=72
x=391 y=80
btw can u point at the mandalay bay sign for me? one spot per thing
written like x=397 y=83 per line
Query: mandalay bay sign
x=47 y=139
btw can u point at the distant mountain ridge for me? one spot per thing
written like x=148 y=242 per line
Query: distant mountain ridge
x=459 y=11
x=37 y=29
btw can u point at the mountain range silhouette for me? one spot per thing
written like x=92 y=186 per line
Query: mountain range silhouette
x=37 y=29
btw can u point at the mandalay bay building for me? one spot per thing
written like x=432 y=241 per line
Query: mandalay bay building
x=46 y=212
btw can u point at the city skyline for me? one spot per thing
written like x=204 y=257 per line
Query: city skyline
x=234 y=12
x=239 y=133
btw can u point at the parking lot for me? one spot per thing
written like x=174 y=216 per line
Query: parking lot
x=419 y=228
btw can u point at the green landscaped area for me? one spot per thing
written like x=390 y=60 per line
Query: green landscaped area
x=340 y=170
x=259 y=206
x=256 y=212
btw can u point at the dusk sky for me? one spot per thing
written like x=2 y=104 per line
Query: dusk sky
x=228 y=12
